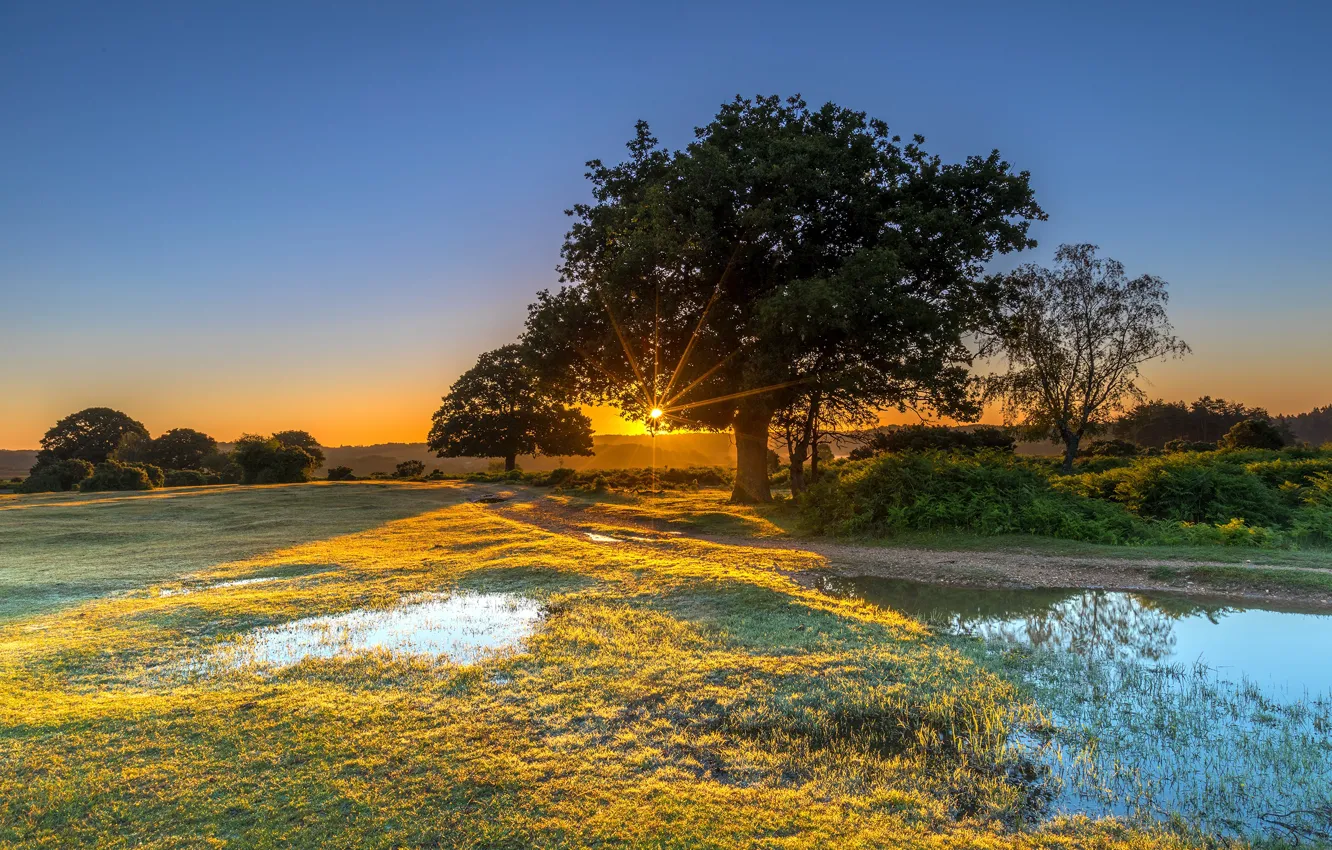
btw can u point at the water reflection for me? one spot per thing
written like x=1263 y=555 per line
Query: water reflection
x=463 y=628
x=1164 y=706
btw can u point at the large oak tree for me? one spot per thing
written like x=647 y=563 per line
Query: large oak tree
x=500 y=408
x=782 y=243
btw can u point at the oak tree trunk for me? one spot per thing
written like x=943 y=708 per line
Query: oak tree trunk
x=751 y=454
x=510 y=461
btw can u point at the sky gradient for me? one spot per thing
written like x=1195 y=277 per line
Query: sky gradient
x=244 y=217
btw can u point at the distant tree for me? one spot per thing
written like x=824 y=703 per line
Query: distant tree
x=223 y=465
x=1254 y=434
x=91 y=434
x=341 y=473
x=1074 y=338
x=409 y=469
x=1314 y=427
x=56 y=476
x=499 y=408
x=1155 y=423
x=302 y=440
x=783 y=244
x=936 y=438
x=180 y=448
x=265 y=460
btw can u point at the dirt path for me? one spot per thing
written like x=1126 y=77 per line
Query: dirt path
x=1010 y=568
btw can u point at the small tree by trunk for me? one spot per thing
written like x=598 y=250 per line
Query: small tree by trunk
x=751 y=454
x=799 y=454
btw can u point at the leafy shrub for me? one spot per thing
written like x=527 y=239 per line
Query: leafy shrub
x=557 y=477
x=986 y=493
x=189 y=478
x=223 y=466
x=341 y=473
x=1176 y=446
x=56 y=476
x=409 y=469
x=265 y=460
x=1111 y=448
x=114 y=475
x=1190 y=488
x=923 y=438
x=1254 y=434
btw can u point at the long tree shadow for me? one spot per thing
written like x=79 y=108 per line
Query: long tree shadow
x=62 y=553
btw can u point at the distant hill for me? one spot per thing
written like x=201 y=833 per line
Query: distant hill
x=16 y=463
x=612 y=451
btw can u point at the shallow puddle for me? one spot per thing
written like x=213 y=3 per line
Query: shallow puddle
x=602 y=538
x=240 y=582
x=1166 y=706
x=462 y=628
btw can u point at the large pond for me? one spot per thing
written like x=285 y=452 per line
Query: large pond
x=1189 y=711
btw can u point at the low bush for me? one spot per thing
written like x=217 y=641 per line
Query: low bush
x=1254 y=434
x=1191 y=488
x=1111 y=448
x=341 y=473
x=1176 y=446
x=1257 y=498
x=986 y=493
x=190 y=478
x=114 y=475
x=56 y=476
x=409 y=469
x=924 y=438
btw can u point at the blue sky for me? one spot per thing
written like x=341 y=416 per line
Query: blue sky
x=245 y=216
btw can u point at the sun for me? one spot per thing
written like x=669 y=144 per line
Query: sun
x=657 y=413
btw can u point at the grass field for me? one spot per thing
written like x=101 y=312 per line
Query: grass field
x=677 y=693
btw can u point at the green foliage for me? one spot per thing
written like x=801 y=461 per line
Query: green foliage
x=301 y=440
x=265 y=460
x=1231 y=498
x=223 y=466
x=499 y=408
x=808 y=242
x=1192 y=488
x=341 y=473
x=409 y=469
x=986 y=493
x=56 y=476
x=1157 y=423
x=180 y=448
x=1111 y=448
x=1254 y=434
x=924 y=438
x=1176 y=446
x=114 y=475
x=190 y=478
x=91 y=434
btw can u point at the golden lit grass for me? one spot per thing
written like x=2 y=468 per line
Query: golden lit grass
x=678 y=694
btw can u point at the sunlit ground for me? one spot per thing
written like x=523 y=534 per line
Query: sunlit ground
x=671 y=693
